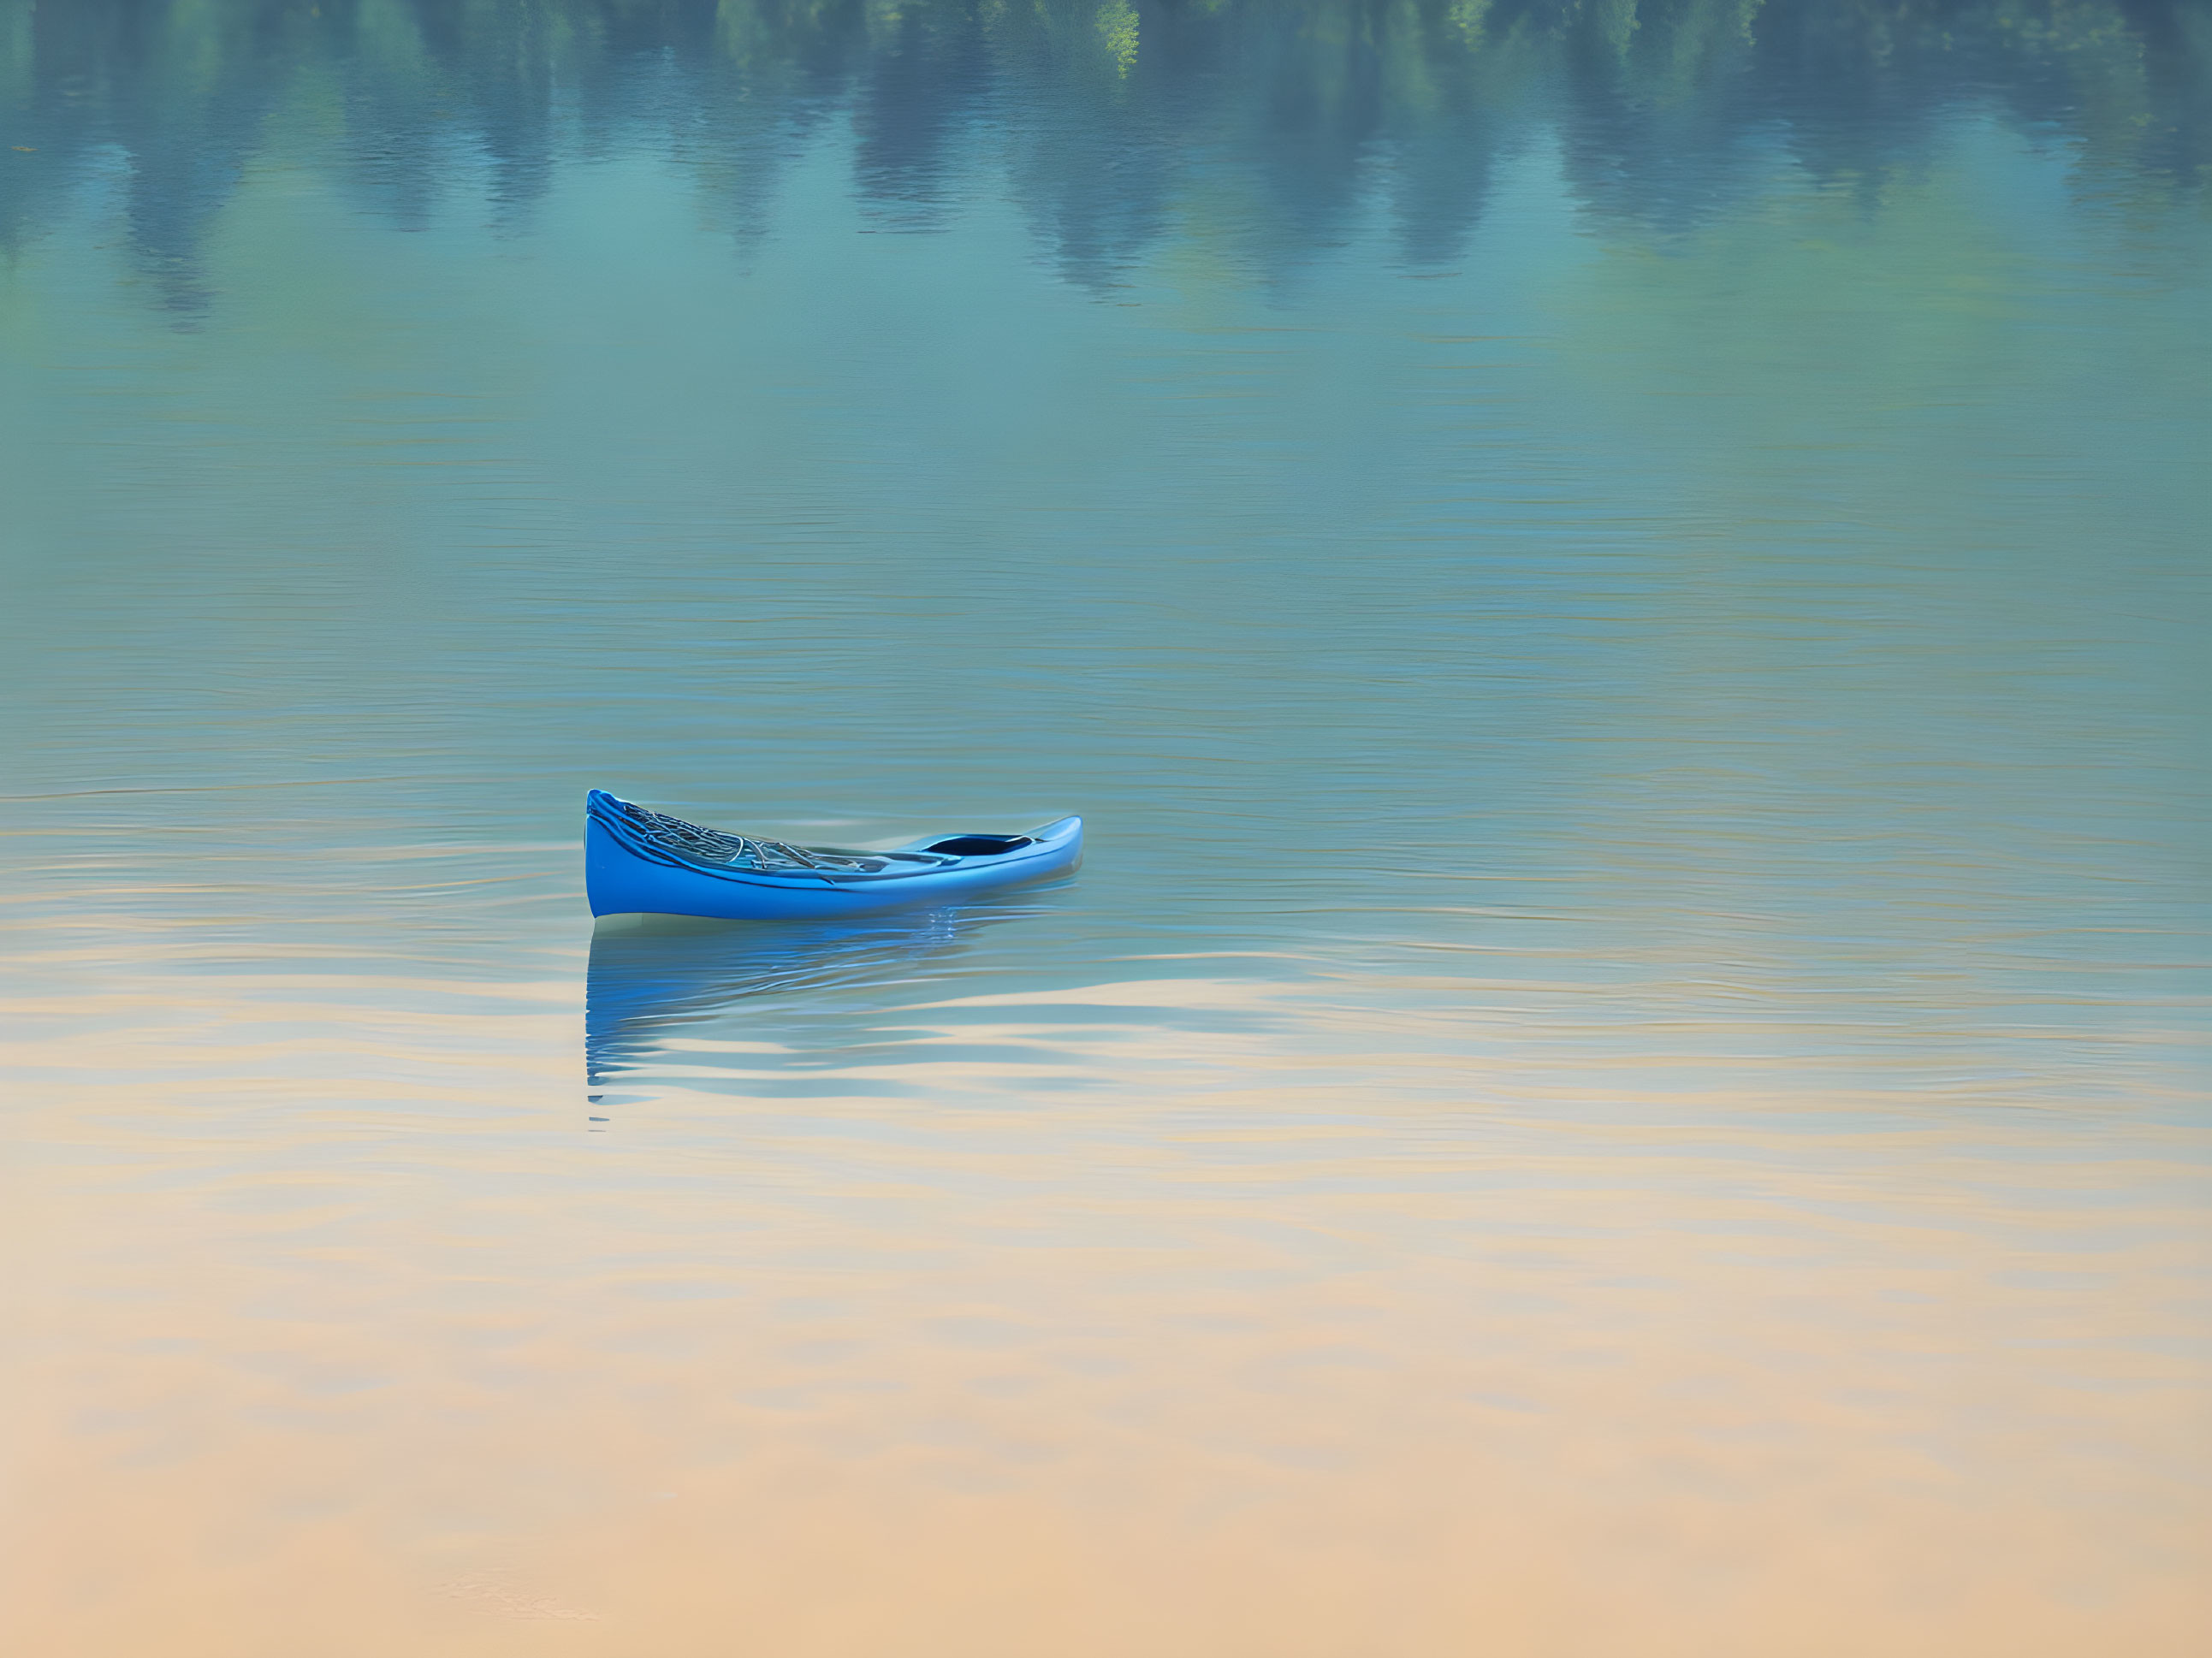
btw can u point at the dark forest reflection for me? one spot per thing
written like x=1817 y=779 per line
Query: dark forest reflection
x=1291 y=115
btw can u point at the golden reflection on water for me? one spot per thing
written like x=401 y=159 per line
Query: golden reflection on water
x=342 y=1337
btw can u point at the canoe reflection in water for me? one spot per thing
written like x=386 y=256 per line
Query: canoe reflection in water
x=653 y=976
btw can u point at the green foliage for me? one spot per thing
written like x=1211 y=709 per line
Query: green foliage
x=1117 y=25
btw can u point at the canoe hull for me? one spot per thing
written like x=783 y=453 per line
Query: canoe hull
x=621 y=878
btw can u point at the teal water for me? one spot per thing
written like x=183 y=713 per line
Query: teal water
x=1622 y=590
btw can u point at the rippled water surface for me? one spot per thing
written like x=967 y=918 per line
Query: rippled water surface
x=1622 y=588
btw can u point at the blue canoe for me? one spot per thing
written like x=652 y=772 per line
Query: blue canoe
x=637 y=861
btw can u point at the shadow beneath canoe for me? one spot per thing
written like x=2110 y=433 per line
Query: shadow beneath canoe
x=650 y=976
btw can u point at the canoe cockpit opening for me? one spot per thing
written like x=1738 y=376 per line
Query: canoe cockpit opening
x=977 y=846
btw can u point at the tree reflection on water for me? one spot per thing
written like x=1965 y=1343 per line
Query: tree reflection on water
x=1275 y=123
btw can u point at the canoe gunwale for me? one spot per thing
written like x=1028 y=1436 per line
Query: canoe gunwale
x=627 y=834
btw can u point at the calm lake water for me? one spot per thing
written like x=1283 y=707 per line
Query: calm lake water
x=1623 y=589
